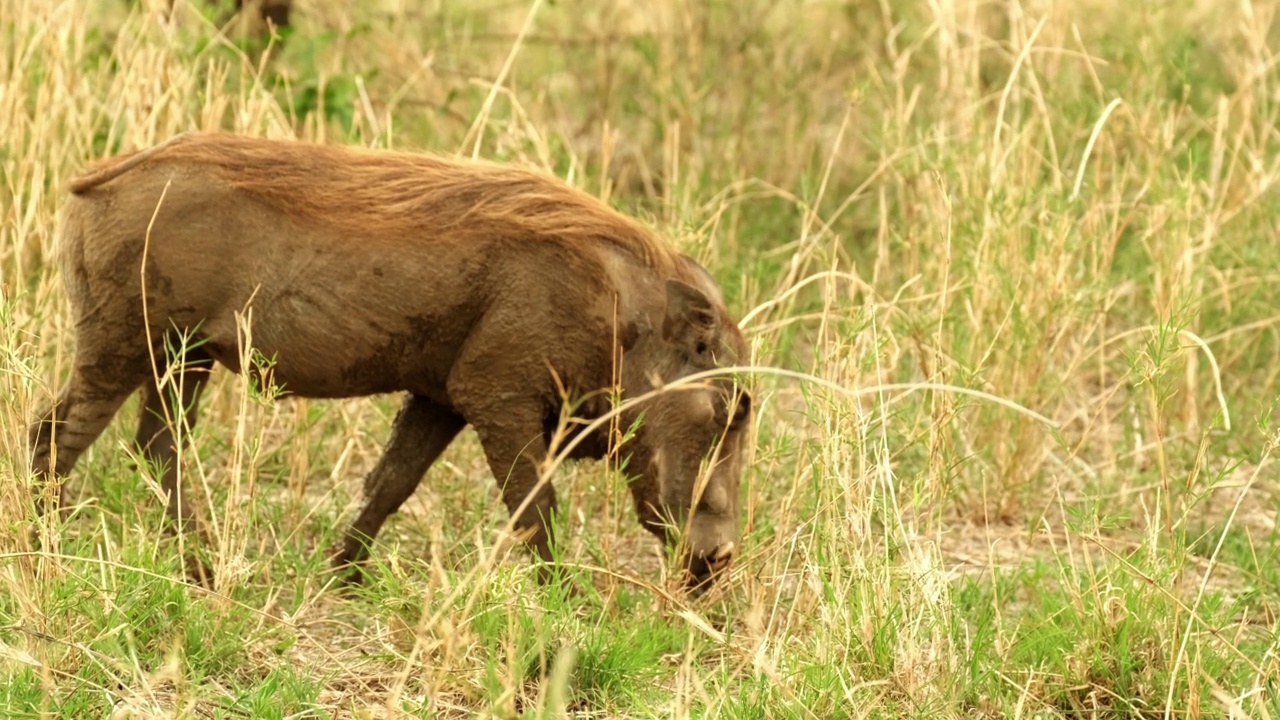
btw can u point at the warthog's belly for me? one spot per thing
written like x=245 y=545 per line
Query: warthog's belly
x=326 y=358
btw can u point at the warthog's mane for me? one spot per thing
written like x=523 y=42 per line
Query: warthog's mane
x=370 y=193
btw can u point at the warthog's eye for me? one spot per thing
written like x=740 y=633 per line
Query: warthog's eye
x=700 y=348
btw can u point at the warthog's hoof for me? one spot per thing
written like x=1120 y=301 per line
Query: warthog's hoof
x=348 y=564
x=198 y=572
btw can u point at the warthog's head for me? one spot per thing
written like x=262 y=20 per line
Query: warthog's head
x=691 y=440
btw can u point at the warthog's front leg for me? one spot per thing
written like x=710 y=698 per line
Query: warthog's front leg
x=495 y=386
x=422 y=430
x=514 y=445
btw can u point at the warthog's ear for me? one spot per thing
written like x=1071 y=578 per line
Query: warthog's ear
x=690 y=316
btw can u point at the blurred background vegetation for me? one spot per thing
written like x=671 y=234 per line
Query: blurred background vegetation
x=1065 y=205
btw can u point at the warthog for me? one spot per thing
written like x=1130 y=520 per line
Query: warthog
x=493 y=296
x=275 y=11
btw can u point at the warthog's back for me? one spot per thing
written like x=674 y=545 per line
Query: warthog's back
x=368 y=192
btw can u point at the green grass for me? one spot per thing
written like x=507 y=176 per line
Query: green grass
x=948 y=216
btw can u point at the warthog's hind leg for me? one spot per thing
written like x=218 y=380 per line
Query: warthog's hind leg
x=422 y=430
x=157 y=438
x=60 y=435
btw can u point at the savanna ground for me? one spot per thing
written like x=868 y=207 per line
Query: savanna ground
x=1019 y=259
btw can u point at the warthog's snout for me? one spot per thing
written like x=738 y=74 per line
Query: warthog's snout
x=705 y=569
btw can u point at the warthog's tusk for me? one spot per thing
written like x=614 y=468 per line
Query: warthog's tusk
x=724 y=551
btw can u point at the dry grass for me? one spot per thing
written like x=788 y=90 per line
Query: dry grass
x=938 y=220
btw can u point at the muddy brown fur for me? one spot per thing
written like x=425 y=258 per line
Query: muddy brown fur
x=480 y=291
x=275 y=12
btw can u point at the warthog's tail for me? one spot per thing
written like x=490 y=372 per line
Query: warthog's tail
x=113 y=170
